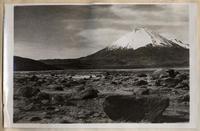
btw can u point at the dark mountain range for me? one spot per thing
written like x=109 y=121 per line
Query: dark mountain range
x=143 y=57
x=25 y=64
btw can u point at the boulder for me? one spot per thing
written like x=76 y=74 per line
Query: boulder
x=72 y=83
x=163 y=73
x=27 y=91
x=135 y=109
x=28 y=107
x=34 y=78
x=116 y=82
x=35 y=118
x=182 y=77
x=172 y=73
x=80 y=88
x=169 y=82
x=184 y=98
x=141 y=91
x=158 y=82
x=56 y=87
x=183 y=85
x=141 y=82
x=43 y=96
x=88 y=93
x=159 y=73
x=142 y=75
x=59 y=88
x=57 y=99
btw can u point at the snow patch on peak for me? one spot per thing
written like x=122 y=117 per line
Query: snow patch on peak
x=141 y=37
x=175 y=40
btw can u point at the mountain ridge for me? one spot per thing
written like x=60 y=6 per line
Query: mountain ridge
x=26 y=64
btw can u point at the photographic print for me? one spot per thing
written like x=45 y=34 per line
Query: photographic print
x=106 y=63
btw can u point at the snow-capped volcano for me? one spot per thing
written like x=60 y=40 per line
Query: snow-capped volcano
x=141 y=48
x=141 y=37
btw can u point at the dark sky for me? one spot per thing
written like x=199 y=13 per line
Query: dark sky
x=72 y=31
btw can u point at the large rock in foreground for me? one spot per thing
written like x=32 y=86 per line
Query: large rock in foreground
x=135 y=109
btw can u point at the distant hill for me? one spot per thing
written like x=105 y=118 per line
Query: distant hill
x=25 y=64
x=141 y=48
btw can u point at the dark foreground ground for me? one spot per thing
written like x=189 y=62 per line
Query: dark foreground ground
x=79 y=96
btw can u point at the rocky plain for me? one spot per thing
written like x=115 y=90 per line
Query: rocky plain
x=102 y=96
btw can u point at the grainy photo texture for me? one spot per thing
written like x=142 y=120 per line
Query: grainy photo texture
x=115 y=63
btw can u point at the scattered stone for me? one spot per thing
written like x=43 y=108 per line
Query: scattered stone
x=70 y=103
x=163 y=76
x=75 y=82
x=159 y=73
x=96 y=114
x=183 y=85
x=39 y=82
x=33 y=78
x=141 y=91
x=57 y=99
x=96 y=79
x=29 y=107
x=116 y=82
x=170 y=82
x=35 y=118
x=18 y=114
x=182 y=77
x=80 y=88
x=140 y=83
x=21 y=80
x=126 y=78
x=52 y=86
x=56 y=110
x=135 y=109
x=59 y=88
x=172 y=73
x=45 y=102
x=158 y=82
x=165 y=90
x=142 y=75
x=50 y=108
x=66 y=119
x=84 y=113
x=43 y=96
x=184 y=98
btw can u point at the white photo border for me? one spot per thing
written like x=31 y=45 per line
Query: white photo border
x=8 y=49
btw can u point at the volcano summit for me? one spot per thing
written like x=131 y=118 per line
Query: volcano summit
x=141 y=37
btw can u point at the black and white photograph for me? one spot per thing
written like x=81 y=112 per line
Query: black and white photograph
x=103 y=63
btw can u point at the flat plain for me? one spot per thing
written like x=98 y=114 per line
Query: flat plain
x=86 y=96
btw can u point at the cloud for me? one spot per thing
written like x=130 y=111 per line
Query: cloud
x=101 y=37
x=70 y=31
x=153 y=13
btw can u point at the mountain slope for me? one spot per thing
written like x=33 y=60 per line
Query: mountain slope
x=25 y=64
x=143 y=57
